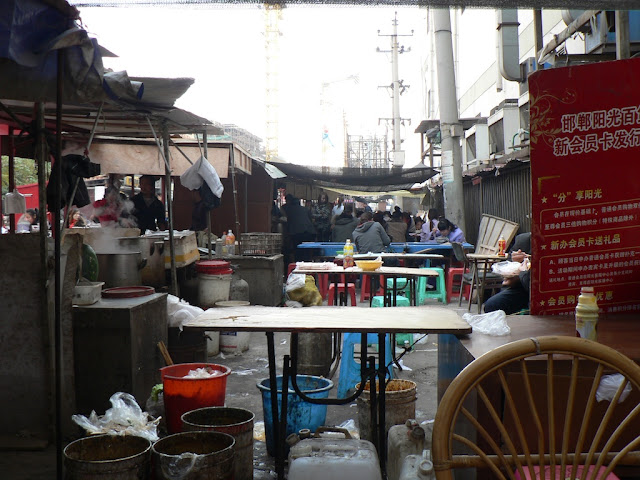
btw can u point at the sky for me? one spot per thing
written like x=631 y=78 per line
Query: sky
x=223 y=48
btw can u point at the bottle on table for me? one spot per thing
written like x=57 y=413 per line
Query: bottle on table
x=502 y=246
x=231 y=243
x=347 y=262
x=225 y=246
x=587 y=314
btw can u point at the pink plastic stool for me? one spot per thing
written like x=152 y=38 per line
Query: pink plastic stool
x=351 y=291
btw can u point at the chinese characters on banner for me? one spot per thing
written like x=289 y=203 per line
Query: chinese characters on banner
x=585 y=171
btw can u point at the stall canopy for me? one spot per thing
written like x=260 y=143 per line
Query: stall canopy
x=360 y=180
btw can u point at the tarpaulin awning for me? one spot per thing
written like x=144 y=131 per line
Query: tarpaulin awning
x=356 y=179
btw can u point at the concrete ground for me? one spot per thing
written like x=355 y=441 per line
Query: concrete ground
x=242 y=392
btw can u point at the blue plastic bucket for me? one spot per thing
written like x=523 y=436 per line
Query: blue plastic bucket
x=300 y=414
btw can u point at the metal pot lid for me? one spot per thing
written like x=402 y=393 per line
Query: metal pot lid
x=128 y=292
x=213 y=267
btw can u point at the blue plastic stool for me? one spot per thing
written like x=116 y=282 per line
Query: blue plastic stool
x=349 y=369
x=378 y=301
x=439 y=293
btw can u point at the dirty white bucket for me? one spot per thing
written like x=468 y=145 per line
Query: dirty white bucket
x=214 y=285
x=234 y=342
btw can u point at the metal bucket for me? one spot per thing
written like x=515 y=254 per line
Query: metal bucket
x=236 y=422
x=108 y=457
x=194 y=456
x=186 y=346
x=314 y=353
x=400 y=403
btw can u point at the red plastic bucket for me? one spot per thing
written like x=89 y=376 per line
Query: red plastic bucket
x=182 y=395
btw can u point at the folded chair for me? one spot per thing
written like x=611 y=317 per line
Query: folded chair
x=480 y=275
x=533 y=409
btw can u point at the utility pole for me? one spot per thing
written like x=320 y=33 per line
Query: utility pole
x=450 y=126
x=397 y=88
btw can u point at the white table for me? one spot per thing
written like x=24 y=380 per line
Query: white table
x=424 y=319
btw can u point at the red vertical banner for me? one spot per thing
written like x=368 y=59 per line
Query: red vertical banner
x=585 y=174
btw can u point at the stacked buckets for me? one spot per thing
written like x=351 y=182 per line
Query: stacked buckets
x=214 y=285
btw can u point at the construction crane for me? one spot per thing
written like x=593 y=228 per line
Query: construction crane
x=272 y=16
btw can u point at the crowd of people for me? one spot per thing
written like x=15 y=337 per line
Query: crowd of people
x=325 y=221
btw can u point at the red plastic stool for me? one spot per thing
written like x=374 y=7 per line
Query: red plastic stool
x=291 y=268
x=365 y=289
x=351 y=291
x=453 y=278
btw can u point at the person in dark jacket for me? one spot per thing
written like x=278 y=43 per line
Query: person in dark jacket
x=321 y=217
x=299 y=225
x=147 y=208
x=370 y=236
x=514 y=297
x=344 y=225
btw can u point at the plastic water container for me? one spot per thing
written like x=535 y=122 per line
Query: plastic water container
x=214 y=285
x=404 y=440
x=418 y=467
x=182 y=395
x=325 y=458
x=300 y=414
x=234 y=342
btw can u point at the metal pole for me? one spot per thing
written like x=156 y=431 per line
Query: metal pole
x=205 y=149
x=623 y=49
x=397 y=142
x=450 y=127
x=12 y=180
x=537 y=28
x=233 y=185
x=169 y=202
x=55 y=228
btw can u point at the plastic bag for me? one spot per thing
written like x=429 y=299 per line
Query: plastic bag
x=609 y=386
x=295 y=281
x=125 y=417
x=507 y=268
x=308 y=295
x=492 y=323
x=179 y=311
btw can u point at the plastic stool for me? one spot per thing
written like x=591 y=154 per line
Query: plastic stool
x=351 y=291
x=365 y=289
x=453 y=278
x=440 y=292
x=401 y=283
x=349 y=369
x=378 y=301
x=291 y=268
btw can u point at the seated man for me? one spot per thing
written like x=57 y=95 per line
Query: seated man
x=515 y=294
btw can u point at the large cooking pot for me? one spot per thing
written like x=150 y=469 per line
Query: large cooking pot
x=120 y=269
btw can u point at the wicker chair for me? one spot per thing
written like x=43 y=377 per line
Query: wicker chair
x=494 y=416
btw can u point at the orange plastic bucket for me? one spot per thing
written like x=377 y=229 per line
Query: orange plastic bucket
x=182 y=395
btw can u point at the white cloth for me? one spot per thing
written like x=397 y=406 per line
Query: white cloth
x=199 y=172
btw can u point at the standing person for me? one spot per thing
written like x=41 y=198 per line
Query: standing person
x=299 y=225
x=148 y=210
x=338 y=208
x=321 y=217
x=451 y=232
x=344 y=225
x=369 y=236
